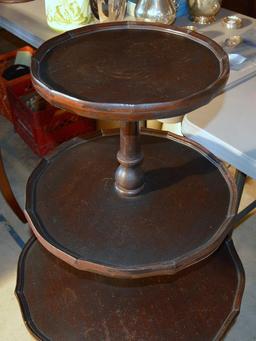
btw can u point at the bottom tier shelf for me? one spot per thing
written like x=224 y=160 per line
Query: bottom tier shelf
x=61 y=303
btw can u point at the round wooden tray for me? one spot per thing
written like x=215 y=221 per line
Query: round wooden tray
x=59 y=302
x=130 y=71
x=181 y=216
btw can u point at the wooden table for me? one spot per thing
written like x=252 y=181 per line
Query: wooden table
x=247 y=7
x=7 y=192
x=116 y=227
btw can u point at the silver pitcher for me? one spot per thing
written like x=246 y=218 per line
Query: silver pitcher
x=156 y=10
x=204 y=11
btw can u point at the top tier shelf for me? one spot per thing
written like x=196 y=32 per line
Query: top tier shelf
x=130 y=71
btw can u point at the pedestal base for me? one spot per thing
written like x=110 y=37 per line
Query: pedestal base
x=61 y=303
x=203 y=20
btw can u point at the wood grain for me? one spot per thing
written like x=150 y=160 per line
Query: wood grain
x=7 y=192
x=181 y=216
x=130 y=71
x=61 y=303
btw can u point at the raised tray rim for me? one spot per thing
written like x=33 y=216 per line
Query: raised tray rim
x=40 y=336
x=144 y=270
x=124 y=111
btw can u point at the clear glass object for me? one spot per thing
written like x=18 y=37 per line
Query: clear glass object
x=65 y=15
x=163 y=11
x=111 y=10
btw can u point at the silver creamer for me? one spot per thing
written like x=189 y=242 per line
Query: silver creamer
x=204 y=11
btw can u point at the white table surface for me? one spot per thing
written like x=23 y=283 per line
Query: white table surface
x=28 y=22
x=217 y=32
x=226 y=126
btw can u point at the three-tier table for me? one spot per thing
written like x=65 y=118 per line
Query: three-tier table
x=132 y=228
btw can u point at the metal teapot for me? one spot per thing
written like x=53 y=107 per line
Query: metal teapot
x=156 y=10
x=204 y=11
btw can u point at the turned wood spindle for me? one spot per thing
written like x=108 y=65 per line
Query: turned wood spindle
x=129 y=175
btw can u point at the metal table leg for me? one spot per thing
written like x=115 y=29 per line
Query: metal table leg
x=240 y=181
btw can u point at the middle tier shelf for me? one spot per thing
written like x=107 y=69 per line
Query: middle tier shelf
x=181 y=217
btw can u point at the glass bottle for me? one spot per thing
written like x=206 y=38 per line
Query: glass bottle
x=111 y=10
x=64 y=15
x=163 y=11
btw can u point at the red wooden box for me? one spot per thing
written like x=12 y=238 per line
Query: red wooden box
x=43 y=130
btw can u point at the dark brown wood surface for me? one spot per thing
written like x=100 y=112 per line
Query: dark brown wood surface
x=130 y=70
x=7 y=192
x=181 y=216
x=247 y=7
x=61 y=303
x=129 y=176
